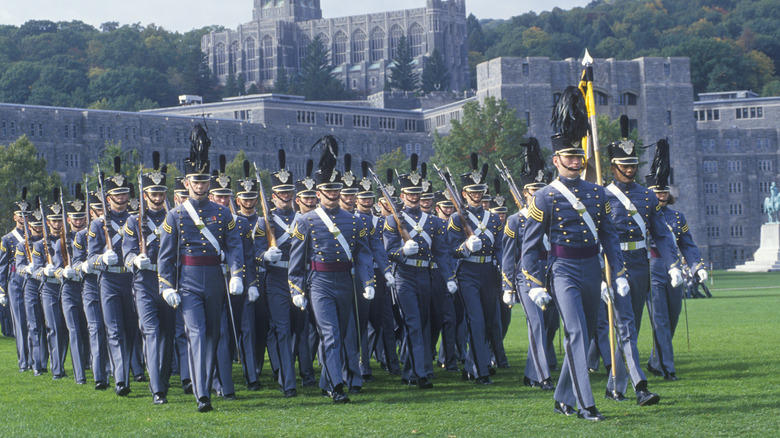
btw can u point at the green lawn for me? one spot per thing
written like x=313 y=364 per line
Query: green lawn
x=729 y=385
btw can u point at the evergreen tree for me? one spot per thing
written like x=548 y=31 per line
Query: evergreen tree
x=402 y=75
x=436 y=76
x=282 y=83
x=315 y=80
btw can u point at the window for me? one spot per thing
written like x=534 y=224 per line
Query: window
x=373 y=82
x=735 y=209
x=765 y=165
x=763 y=187
x=303 y=50
x=135 y=134
x=735 y=166
x=416 y=37
x=736 y=231
x=710 y=187
x=334 y=119
x=13 y=128
x=32 y=129
x=67 y=130
x=410 y=125
x=735 y=187
x=108 y=132
x=377 y=44
x=711 y=210
x=753 y=112
x=669 y=118
x=358 y=46
x=268 y=57
x=528 y=118
x=359 y=121
x=387 y=123
x=628 y=99
x=250 y=59
x=526 y=69
x=667 y=69
x=354 y=84
x=602 y=98
x=100 y=132
x=234 y=57
x=40 y=129
x=713 y=231
x=307 y=117
x=395 y=35
x=339 y=48
x=219 y=51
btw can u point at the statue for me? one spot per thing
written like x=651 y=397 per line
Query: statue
x=772 y=204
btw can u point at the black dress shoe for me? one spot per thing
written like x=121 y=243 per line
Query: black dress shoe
x=671 y=377
x=355 y=389
x=590 y=414
x=491 y=371
x=101 y=386
x=309 y=383
x=453 y=368
x=614 y=395
x=547 y=385
x=121 y=389
x=81 y=382
x=290 y=393
x=57 y=376
x=424 y=383
x=37 y=373
x=253 y=386
x=159 y=399
x=564 y=409
x=338 y=395
x=465 y=375
x=140 y=378
x=484 y=380
x=532 y=383
x=653 y=371
x=187 y=386
x=646 y=398
x=204 y=404
x=368 y=378
x=408 y=382
x=231 y=396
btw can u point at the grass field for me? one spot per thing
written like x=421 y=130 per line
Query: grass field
x=730 y=386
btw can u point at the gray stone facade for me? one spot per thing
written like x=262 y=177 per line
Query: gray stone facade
x=362 y=47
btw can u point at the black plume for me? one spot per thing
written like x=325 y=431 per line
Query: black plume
x=534 y=160
x=570 y=116
x=413 y=161
x=309 y=166
x=117 y=165
x=282 y=159
x=424 y=170
x=484 y=172
x=330 y=153
x=37 y=202
x=132 y=191
x=155 y=160
x=199 y=146
x=164 y=169
x=661 y=167
x=364 y=168
x=79 y=193
x=624 y=126
x=347 y=163
x=246 y=168
x=222 y=163
x=389 y=176
x=24 y=193
x=474 y=161
x=55 y=194
x=497 y=186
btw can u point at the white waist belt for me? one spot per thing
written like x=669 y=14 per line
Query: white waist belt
x=631 y=246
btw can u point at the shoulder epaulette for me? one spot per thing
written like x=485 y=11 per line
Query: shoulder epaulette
x=297 y=234
x=231 y=224
x=607 y=207
x=509 y=233
x=534 y=212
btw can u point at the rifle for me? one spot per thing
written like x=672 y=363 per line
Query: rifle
x=23 y=206
x=269 y=227
x=64 y=232
x=102 y=196
x=141 y=221
x=456 y=201
x=45 y=231
x=510 y=182
x=391 y=206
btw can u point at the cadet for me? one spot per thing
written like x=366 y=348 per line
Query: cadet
x=12 y=283
x=575 y=216
x=190 y=266
x=72 y=303
x=25 y=266
x=332 y=243
x=666 y=299
x=636 y=215
x=182 y=357
x=475 y=252
x=448 y=353
x=141 y=245
x=105 y=239
x=503 y=312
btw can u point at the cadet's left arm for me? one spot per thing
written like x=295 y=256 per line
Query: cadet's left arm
x=689 y=249
x=234 y=249
x=299 y=243
x=363 y=258
x=662 y=235
x=608 y=236
x=441 y=252
x=167 y=269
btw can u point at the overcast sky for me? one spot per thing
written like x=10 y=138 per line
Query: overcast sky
x=185 y=15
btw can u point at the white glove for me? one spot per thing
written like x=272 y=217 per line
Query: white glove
x=622 y=286
x=236 y=286
x=69 y=273
x=607 y=294
x=28 y=269
x=110 y=258
x=273 y=254
x=86 y=267
x=539 y=296
x=49 y=270
x=389 y=279
x=474 y=243
x=253 y=294
x=452 y=287
x=507 y=297
x=299 y=301
x=3 y=300
x=171 y=297
x=411 y=248
x=142 y=262
x=369 y=293
x=702 y=274
x=676 y=276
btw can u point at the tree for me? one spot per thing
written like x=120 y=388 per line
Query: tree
x=315 y=80
x=282 y=83
x=435 y=76
x=609 y=131
x=21 y=167
x=235 y=169
x=396 y=159
x=476 y=37
x=402 y=74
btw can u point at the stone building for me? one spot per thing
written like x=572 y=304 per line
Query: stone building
x=361 y=47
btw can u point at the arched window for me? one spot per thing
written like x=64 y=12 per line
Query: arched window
x=250 y=59
x=234 y=56
x=303 y=49
x=395 y=35
x=340 y=48
x=628 y=99
x=377 y=44
x=326 y=44
x=268 y=57
x=602 y=99
x=219 y=51
x=416 y=37
x=358 y=46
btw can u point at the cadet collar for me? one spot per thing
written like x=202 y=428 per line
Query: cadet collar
x=119 y=214
x=474 y=209
x=333 y=210
x=413 y=210
x=250 y=217
x=624 y=186
x=155 y=214
x=200 y=204
x=569 y=182
x=290 y=212
x=664 y=208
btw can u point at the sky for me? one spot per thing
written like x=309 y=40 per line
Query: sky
x=185 y=15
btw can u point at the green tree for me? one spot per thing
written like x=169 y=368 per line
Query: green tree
x=476 y=37
x=235 y=169
x=21 y=167
x=402 y=74
x=315 y=80
x=282 y=82
x=396 y=159
x=435 y=75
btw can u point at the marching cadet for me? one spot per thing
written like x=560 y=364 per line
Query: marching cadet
x=105 y=256
x=537 y=370
x=72 y=302
x=475 y=271
x=197 y=236
x=12 y=283
x=181 y=194
x=412 y=250
x=273 y=253
x=93 y=310
x=637 y=217
x=332 y=243
x=503 y=314
x=447 y=354
x=25 y=265
x=141 y=245
x=222 y=194
x=575 y=216
x=666 y=299
x=438 y=285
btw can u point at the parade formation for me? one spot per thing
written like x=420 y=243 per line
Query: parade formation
x=342 y=266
